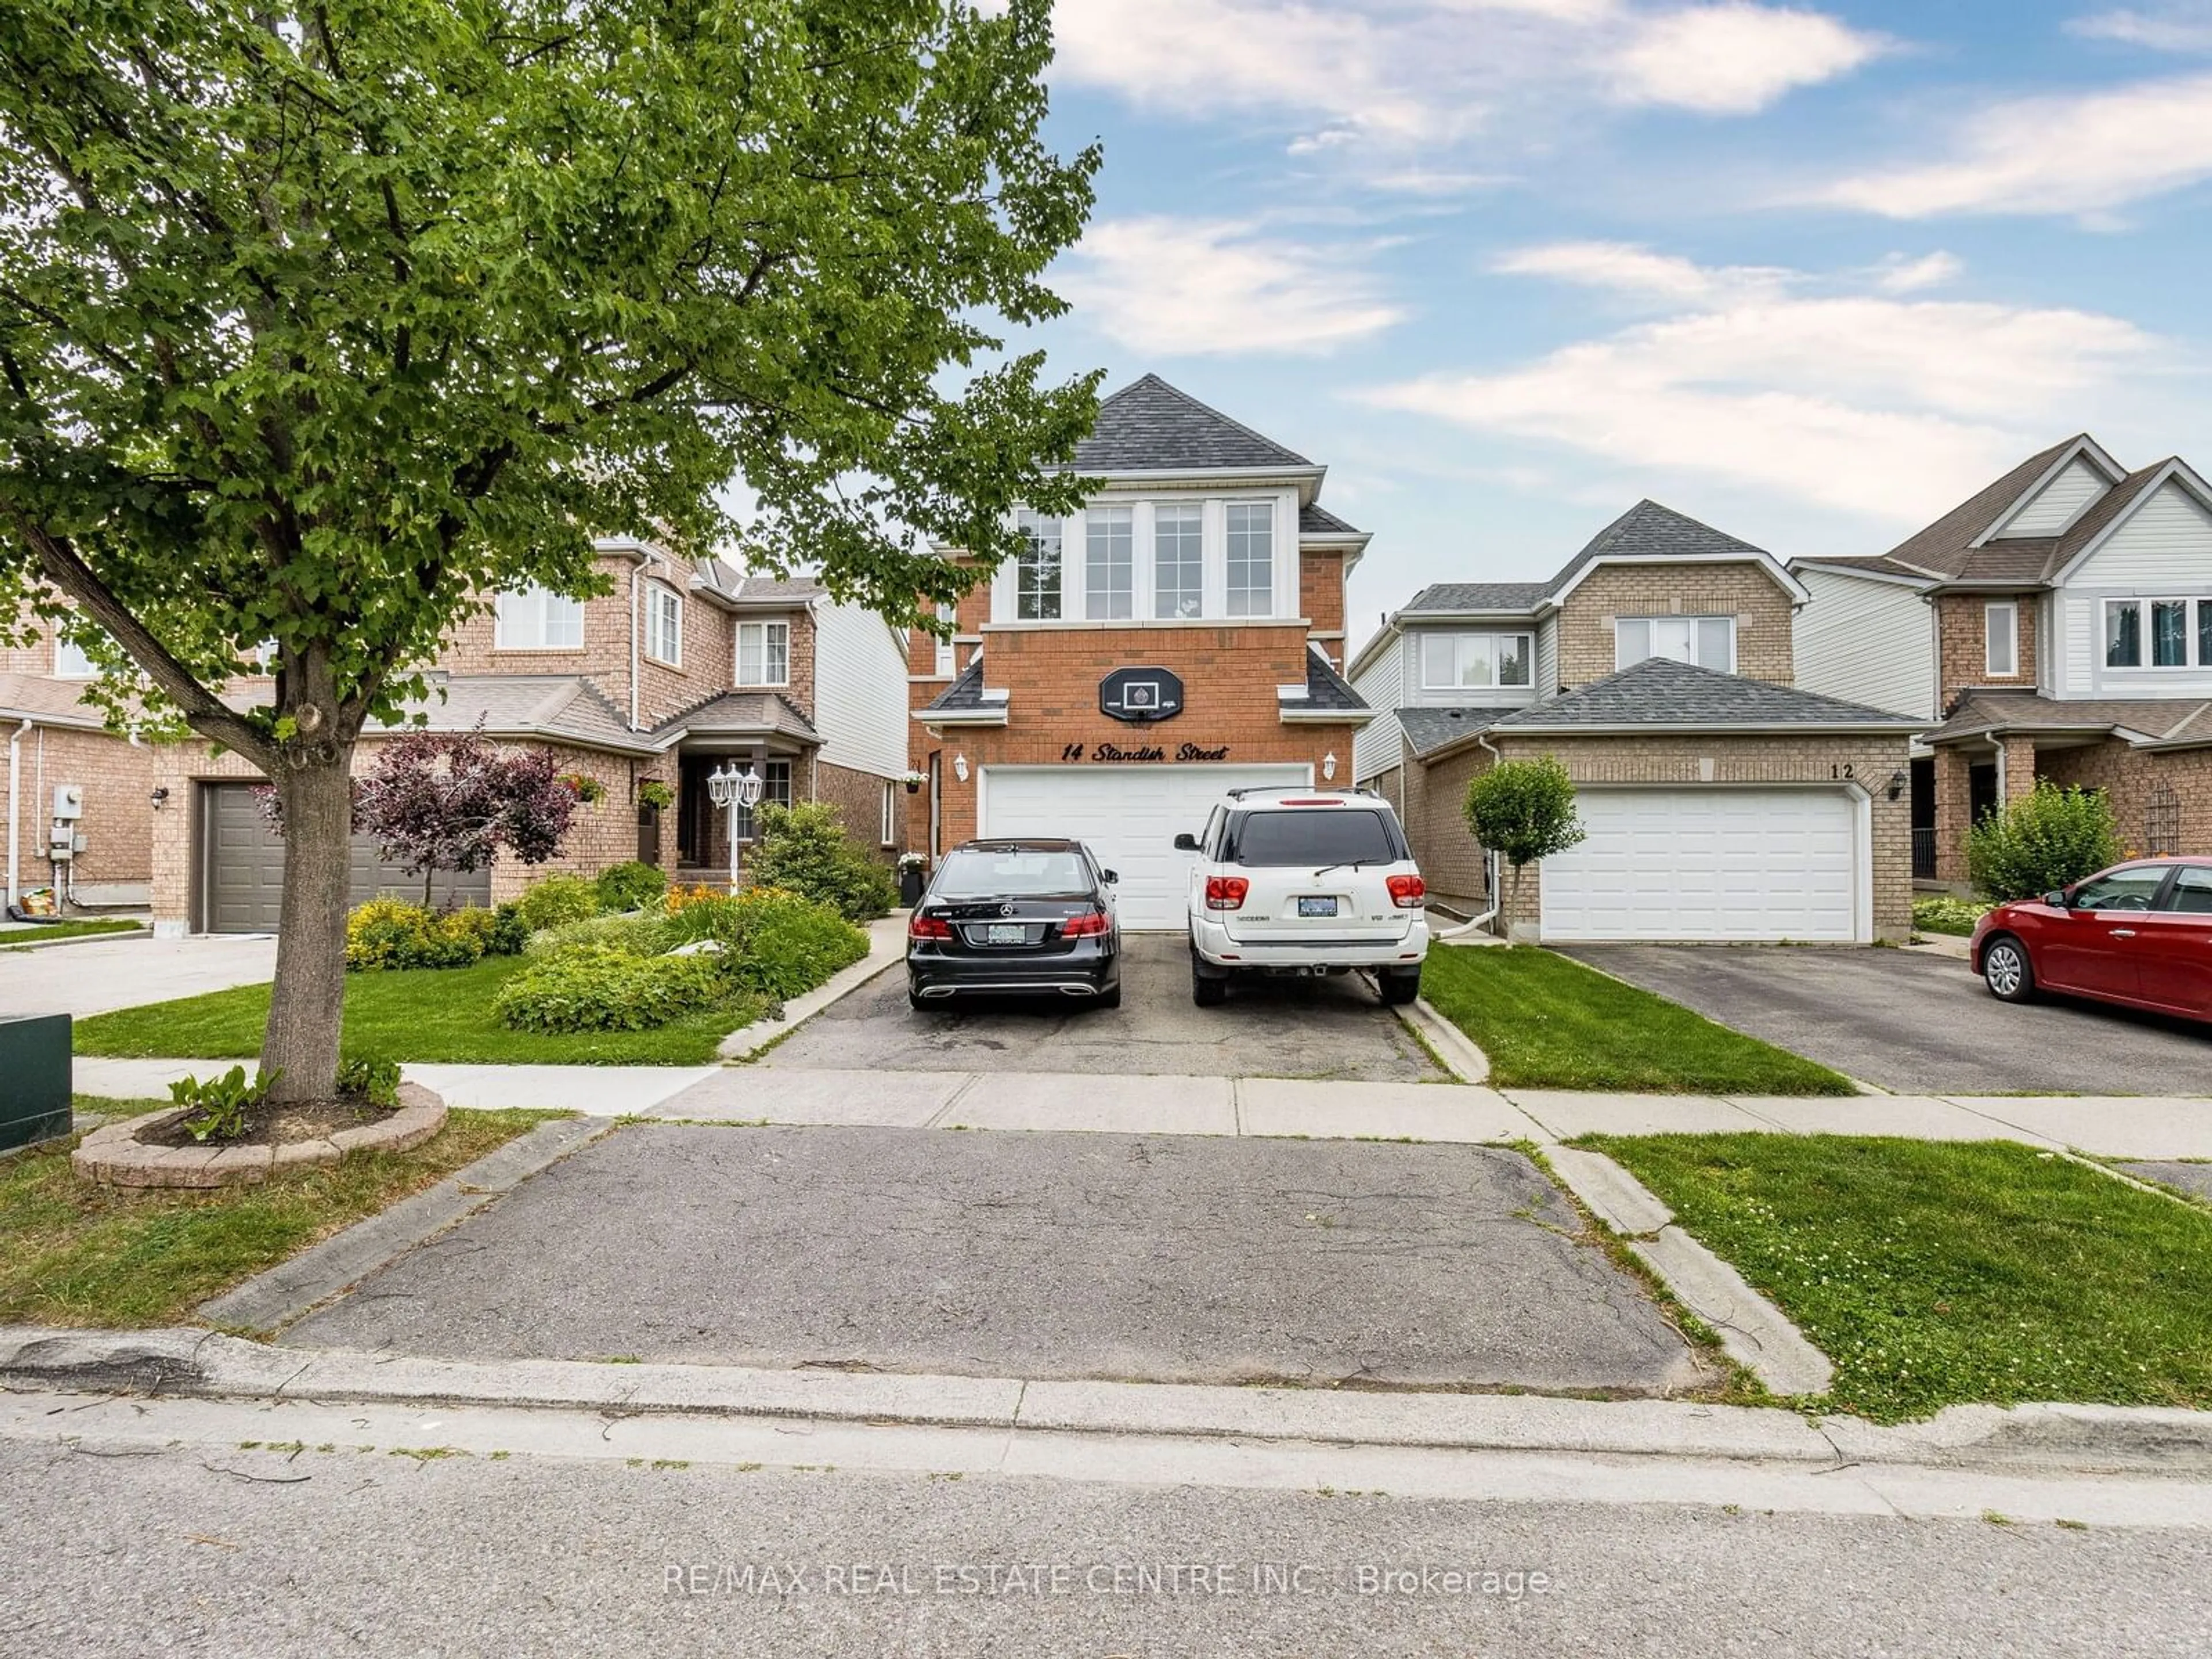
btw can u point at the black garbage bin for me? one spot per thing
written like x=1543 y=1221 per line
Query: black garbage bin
x=911 y=882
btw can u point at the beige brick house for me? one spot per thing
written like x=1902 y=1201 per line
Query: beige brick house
x=1721 y=801
x=682 y=667
x=2058 y=624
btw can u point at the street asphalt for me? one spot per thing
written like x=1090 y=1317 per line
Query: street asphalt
x=2195 y=1179
x=1040 y=1254
x=1917 y=1025
x=100 y=974
x=253 y=1553
x=1300 y=1028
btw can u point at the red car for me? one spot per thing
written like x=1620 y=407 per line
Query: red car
x=2139 y=934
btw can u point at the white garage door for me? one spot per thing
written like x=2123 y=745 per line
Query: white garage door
x=1710 y=864
x=1129 y=816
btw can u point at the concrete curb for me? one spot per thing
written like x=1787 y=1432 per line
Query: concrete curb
x=207 y=1364
x=275 y=1298
x=30 y=941
x=886 y=949
x=1452 y=1046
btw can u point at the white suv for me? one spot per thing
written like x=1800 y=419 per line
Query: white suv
x=1304 y=881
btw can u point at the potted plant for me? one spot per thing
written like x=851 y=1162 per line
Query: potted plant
x=913 y=781
x=583 y=788
x=655 y=794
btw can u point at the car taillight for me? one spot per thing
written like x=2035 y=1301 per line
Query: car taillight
x=1226 y=892
x=1406 y=892
x=929 y=928
x=1084 y=927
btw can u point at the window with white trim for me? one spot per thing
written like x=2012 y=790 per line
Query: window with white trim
x=663 y=624
x=538 y=619
x=890 y=813
x=1251 y=558
x=70 y=662
x=1708 y=642
x=1178 y=560
x=1037 y=570
x=1109 y=563
x=1455 y=662
x=941 y=664
x=764 y=654
x=2000 y=638
x=2157 y=633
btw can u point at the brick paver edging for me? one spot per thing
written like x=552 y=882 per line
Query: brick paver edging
x=115 y=1154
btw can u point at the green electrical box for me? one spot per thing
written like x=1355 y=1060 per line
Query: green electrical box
x=34 y=1079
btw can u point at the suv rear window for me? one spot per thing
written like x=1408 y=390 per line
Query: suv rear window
x=1296 y=835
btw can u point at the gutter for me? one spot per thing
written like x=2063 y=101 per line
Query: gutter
x=15 y=803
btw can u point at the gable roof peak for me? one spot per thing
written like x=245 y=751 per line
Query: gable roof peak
x=1150 y=426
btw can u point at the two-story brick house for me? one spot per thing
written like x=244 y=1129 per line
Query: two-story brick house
x=1176 y=638
x=1721 y=801
x=2056 y=624
x=683 y=666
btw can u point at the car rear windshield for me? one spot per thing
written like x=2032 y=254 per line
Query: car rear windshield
x=976 y=872
x=1296 y=835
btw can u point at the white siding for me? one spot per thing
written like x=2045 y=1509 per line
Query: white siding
x=859 y=691
x=2077 y=658
x=1547 y=656
x=1376 y=747
x=2164 y=544
x=2060 y=503
x=1866 y=641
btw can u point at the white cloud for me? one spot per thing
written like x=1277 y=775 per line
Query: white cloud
x=2075 y=155
x=1900 y=275
x=2184 y=28
x=1194 y=288
x=1863 y=402
x=1735 y=59
x=1627 y=269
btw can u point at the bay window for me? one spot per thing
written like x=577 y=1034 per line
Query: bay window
x=1037 y=570
x=1455 y=662
x=1251 y=558
x=1178 y=559
x=1708 y=642
x=1109 y=563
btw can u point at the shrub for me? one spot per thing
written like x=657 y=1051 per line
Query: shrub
x=557 y=899
x=376 y=1081
x=509 y=932
x=786 y=945
x=597 y=988
x=2049 y=839
x=631 y=886
x=640 y=936
x=1940 y=914
x=1524 y=811
x=392 y=933
x=803 y=849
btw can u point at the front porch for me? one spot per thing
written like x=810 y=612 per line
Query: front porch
x=2162 y=797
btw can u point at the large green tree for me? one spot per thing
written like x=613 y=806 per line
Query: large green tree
x=320 y=324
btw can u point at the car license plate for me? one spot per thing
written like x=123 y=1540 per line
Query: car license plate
x=1001 y=933
x=1317 y=907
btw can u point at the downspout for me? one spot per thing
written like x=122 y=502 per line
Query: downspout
x=635 y=565
x=1477 y=924
x=15 y=806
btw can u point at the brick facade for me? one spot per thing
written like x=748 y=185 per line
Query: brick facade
x=1745 y=591
x=859 y=798
x=1961 y=642
x=2130 y=776
x=117 y=777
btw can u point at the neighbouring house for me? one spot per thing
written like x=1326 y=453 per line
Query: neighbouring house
x=1722 y=800
x=76 y=794
x=2056 y=625
x=1179 y=637
x=684 y=667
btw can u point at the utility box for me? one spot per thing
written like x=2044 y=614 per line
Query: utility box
x=69 y=800
x=34 y=1079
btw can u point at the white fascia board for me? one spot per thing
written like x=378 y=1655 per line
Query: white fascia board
x=2084 y=447
x=2176 y=470
x=1292 y=693
x=1731 y=728
x=1305 y=479
x=1827 y=569
x=1766 y=562
x=1326 y=716
x=960 y=716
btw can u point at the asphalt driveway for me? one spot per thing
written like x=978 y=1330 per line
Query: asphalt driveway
x=1300 y=1028
x=1172 y=1259
x=1917 y=1025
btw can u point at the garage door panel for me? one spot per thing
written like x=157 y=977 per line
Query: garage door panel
x=1724 y=864
x=243 y=868
x=1128 y=816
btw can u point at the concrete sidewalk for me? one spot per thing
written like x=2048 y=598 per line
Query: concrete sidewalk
x=2114 y=1127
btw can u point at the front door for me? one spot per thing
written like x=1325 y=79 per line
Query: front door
x=2096 y=945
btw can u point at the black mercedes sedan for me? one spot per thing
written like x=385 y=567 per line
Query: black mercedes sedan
x=1007 y=917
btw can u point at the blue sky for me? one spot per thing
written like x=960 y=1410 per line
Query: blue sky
x=1811 y=273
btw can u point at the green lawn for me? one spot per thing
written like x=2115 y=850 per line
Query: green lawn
x=1549 y=1022
x=15 y=938
x=424 y=1014
x=72 y=1253
x=1938 y=1273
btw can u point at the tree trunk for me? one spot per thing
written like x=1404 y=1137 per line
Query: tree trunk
x=308 y=1000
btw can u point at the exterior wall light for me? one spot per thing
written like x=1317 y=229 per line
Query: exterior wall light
x=1328 y=767
x=960 y=768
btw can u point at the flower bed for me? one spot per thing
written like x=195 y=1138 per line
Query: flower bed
x=133 y=1152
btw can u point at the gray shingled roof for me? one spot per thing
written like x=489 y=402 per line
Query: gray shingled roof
x=1430 y=729
x=1648 y=530
x=1455 y=598
x=1148 y=426
x=1315 y=520
x=746 y=712
x=965 y=694
x=1660 y=691
x=1979 y=711
x=566 y=708
x=775 y=587
x=50 y=702
x=1327 y=689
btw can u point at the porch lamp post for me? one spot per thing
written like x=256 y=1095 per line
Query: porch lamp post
x=739 y=792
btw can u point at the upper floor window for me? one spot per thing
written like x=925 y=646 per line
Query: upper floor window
x=1109 y=563
x=1452 y=662
x=1037 y=570
x=2000 y=638
x=941 y=663
x=764 y=654
x=1178 y=559
x=1708 y=642
x=2158 y=633
x=538 y=619
x=1251 y=558
x=70 y=662
x=663 y=625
